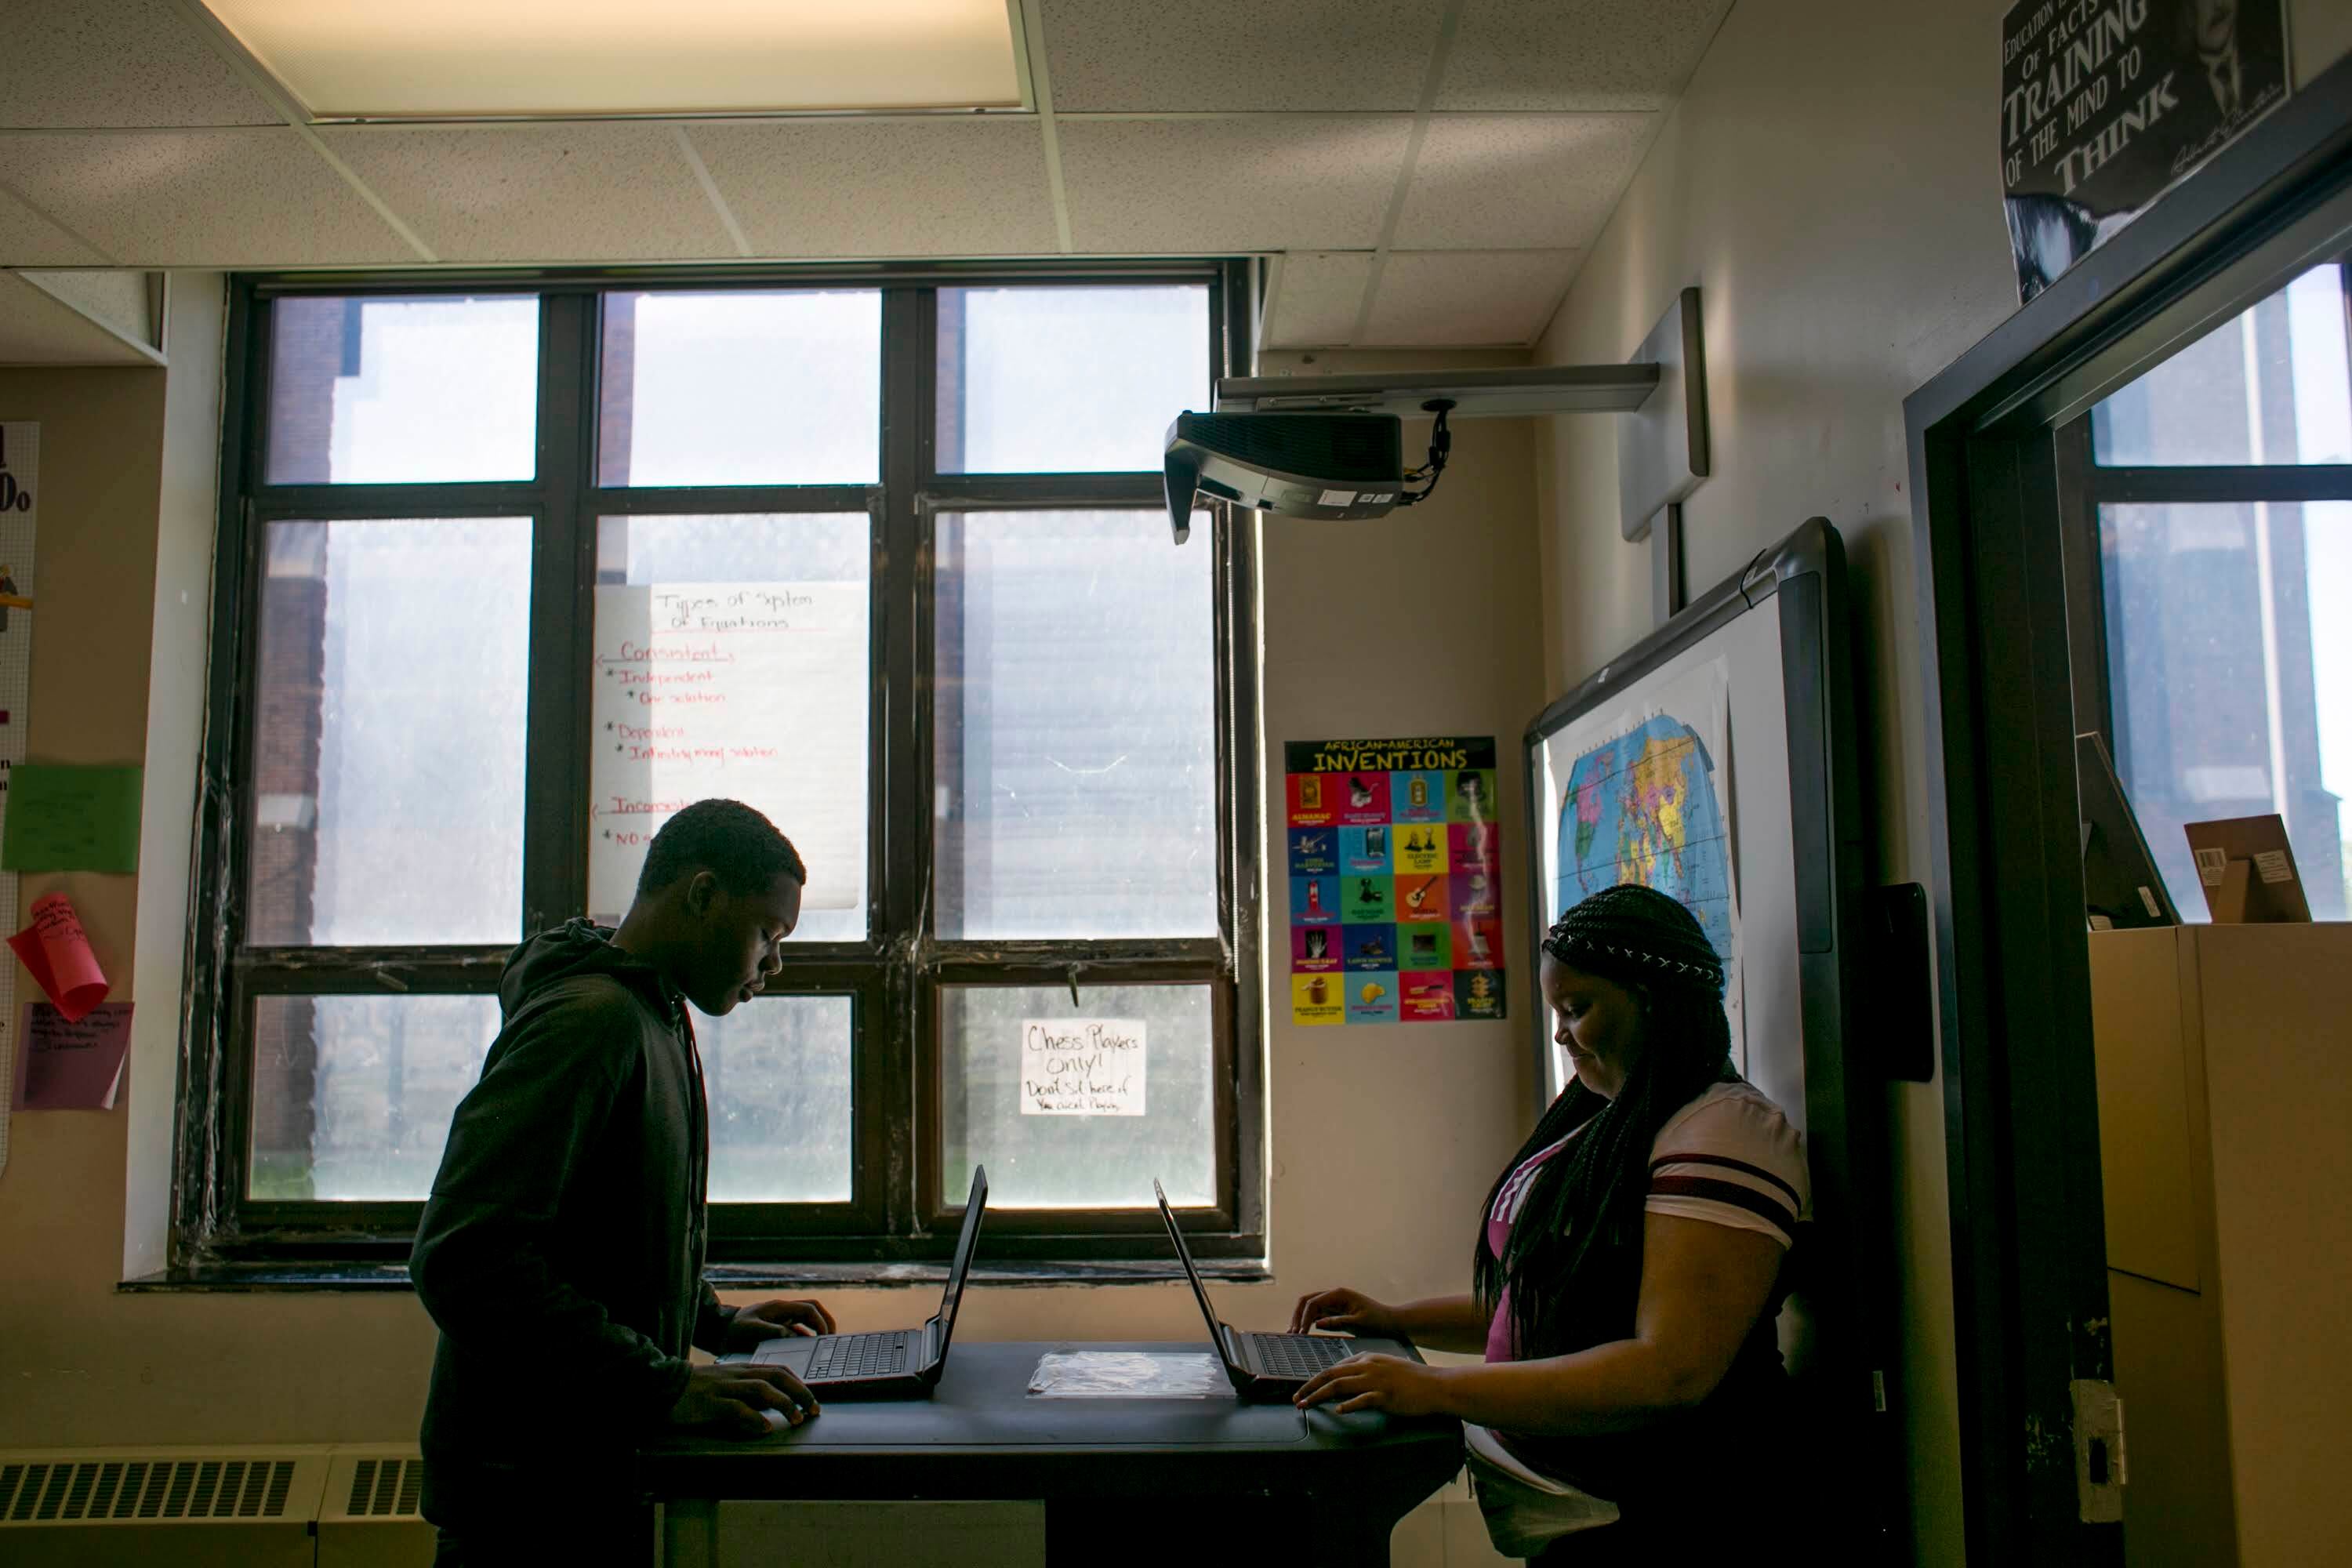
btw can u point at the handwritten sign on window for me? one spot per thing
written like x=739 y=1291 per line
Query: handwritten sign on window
x=1082 y=1066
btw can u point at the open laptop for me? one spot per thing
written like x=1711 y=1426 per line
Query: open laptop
x=1267 y=1367
x=896 y=1364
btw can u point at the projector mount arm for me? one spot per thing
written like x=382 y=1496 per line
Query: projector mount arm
x=1659 y=391
x=1441 y=444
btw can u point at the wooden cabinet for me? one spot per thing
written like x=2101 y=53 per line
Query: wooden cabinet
x=2225 y=1141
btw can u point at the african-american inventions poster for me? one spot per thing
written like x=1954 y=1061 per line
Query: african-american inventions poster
x=1394 y=856
x=2107 y=103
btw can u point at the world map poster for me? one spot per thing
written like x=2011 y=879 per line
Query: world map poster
x=1395 y=865
x=1644 y=797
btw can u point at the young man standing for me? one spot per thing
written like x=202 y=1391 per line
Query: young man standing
x=560 y=1252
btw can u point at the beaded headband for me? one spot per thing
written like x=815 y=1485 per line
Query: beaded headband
x=1711 y=973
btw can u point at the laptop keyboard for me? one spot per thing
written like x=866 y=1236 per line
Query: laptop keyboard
x=1299 y=1356
x=841 y=1356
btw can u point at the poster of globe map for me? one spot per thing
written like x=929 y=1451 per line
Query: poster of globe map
x=1643 y=795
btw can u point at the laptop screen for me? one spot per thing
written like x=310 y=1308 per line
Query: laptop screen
x=975 y=1205
x=1184 y=1255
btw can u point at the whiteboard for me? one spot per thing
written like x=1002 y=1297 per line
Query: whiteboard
x=1767 y=1036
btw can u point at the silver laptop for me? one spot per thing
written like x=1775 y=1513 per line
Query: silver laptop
x=894 y=1363
x=1267 y=1367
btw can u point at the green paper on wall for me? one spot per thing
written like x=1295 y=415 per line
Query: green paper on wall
x=72 y=819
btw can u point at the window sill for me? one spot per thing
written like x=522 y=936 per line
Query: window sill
x=289 y=1278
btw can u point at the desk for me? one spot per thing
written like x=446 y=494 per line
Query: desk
x=1133 y=1481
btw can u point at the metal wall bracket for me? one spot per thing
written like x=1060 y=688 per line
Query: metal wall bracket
x=1662 y=451
x=1669 y=591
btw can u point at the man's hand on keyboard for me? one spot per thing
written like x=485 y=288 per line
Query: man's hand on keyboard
x=736 y=1396
x=754 y=1326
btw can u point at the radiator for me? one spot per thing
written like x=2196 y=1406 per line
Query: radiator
x=263 y=1506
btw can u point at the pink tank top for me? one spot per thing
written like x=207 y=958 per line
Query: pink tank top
x=1499 y=1220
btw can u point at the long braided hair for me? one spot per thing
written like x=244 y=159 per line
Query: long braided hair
x=1593 y=1191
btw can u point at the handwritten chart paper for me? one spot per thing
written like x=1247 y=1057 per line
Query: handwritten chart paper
x=1082 y=1066
x=1395 y=861
x=73 y=1064
x=756 y=692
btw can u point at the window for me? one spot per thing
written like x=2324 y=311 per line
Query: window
x=2214 y=495
x=509 y=576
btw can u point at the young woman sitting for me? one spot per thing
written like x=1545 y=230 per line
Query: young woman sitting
x=1627 y=1273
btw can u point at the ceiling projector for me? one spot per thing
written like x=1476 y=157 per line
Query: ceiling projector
x=1338 y=467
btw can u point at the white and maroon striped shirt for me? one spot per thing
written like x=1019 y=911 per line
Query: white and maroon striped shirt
x=1728 y=1157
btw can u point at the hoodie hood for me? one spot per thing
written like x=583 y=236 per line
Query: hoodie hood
x=578 y=947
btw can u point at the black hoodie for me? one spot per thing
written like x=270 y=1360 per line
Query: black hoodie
x=560 y=1252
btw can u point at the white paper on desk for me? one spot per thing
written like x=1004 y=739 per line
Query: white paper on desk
x=1129 y=1374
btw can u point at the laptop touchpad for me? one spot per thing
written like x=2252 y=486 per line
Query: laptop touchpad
x=791 y=1352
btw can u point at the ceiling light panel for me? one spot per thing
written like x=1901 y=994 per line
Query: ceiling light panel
x=454 y=60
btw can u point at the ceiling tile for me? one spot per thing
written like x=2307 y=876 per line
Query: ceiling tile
x=200 y=198
x=28 y=240
x=581 y=192
x=1318 y=295
x=1259 y=182
x=74 y=63
x=1458 y=299
x=1576 y=53
x=942 y=185
x=123 y=301
x=1238 y=54
x=1493 y=181
x=36 y=328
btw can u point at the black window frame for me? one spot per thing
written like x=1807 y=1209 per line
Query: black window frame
x=897 y=1214
x=2084 y=486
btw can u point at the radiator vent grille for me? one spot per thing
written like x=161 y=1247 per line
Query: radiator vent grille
x=386 y=1489
x=92 y=1490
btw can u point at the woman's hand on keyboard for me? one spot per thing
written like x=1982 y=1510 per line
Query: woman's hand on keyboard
x=1345 y=1310
x=1387 y=1382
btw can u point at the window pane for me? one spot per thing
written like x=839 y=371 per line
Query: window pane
x=777 y=1071
x=1076 y=745
x=392 y=392
x=2232 y=697
x=776 y=388
x=1020 y=1066
x=2269 y=387
x=733 y=658
x=1068 y=380
x=388 y=732
x=352 y=1095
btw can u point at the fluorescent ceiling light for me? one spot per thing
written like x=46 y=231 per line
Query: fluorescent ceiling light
x=426 y=59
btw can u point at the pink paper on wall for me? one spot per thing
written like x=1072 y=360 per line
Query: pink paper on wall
x=55 y=950
x=71 y=1064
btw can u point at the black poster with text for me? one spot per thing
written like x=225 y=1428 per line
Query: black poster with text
x=2105 y=103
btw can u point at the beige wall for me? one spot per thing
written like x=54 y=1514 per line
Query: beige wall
x=1383 y=1140
x=1830 y=180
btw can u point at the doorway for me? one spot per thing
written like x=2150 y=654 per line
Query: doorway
x=2044 y=536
